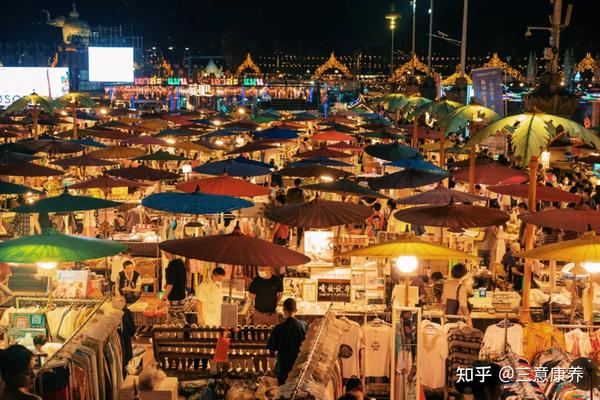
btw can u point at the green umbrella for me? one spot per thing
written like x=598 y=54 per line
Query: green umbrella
x=13 y=188
x=35 y=103
x=413 y=102
x=345 y=187
x=66 y=203
x=394 y=101
x=74 y=101
x=53 y=247
x=463 y=116
x=437 y=109
x=160 y=156
x=264 y=119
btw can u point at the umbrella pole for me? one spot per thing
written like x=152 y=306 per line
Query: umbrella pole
x=415 y=139
x=74 y=111
x=442 y=149
x=533 y=167
x=472 y=156
x=35 y=114
x=231 y=284
x=590 y=303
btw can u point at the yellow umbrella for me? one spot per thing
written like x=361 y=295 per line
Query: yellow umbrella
x=129 y=120
x=189 y=146
x=409 y=245
x=154 y=124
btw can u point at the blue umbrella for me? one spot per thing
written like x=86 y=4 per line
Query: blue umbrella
x=391 y=151
x=277 y=133
x=416 y=163
x=328 y=162
x=89 y=143
x=233 y=167
x=194 y=203
x=245 y=160
x=220 y=133
x=306 y=116
x=408 y=178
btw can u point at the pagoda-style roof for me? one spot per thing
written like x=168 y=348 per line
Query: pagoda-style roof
x=587 y=64
x=413 y=63
x=248 y=64
x=496 y=62
x=332 y=63
x=451 y=80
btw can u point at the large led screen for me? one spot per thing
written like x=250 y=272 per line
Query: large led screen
x=16 y=82
x=110 y=64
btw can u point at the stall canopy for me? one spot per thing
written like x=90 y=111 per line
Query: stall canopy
x=66 y=202
x=232 y=167
x=452 y=216
x=143 y=173
x=492 y=174
x=580 y=219
x=345 y=187
x=27 y=169
x=14 y=188
x=224 y=185
x=319 y=213
x=314 y=170
x=441 y=195
x=408 y=178
x=391 y=151
x=543 y=193
x=194 y=203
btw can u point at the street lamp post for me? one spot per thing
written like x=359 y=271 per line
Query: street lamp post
x=430 y=33
x=463 y=42
x=392 y=16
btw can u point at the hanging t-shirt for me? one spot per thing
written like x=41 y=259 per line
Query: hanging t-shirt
x=376 y=343
x=209 y=293
x=350 y=347
x=433 y=350
x=493 y=341
x=464 y=345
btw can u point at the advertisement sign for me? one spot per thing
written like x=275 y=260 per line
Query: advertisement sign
x=16 y=82
x=487 y=87
x=110 y=64
x=336 y=290
x=71 y=284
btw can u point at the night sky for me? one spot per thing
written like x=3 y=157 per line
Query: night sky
x=311 y=26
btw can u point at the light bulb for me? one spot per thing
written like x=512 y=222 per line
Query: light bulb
x=407 y=264
x=186 y=168
x=592 y=267
x=46 y=265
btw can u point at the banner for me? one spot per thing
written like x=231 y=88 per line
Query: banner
x=336 y=290
x=487 y=88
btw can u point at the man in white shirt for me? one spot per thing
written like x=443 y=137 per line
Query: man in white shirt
x=210 y=298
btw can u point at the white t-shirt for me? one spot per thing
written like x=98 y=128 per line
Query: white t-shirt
x=209 y=294
x=493 y=341
x=578 y=343
x=350 y=347
x=434 y=351
x=376 y=342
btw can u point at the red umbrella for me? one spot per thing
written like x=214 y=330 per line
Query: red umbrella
x=319 y=213
x=333 y=136
x=145 y=141
x=28 y=169
x=143 y=173
x=323 y=152
x=224 y=185
x=345 y=146
x=452 y=216
x=235 y=249
x=543 y=193
x=107 y=134
x=314 y=170
x=441 y=195
x=83 y=161
x=580 y=219
x=492 y=174
x=106 y=182
x=288 y=125
x=53 y=146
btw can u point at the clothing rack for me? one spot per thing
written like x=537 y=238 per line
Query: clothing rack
x=73 y=336
x=326 y=318
x=44 y=300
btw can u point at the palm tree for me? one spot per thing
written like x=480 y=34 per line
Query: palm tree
x=530 y=135
x=73 y=101
x=35 y=103
x=475 y=117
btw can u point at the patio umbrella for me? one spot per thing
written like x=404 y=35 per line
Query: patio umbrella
x=83 y=161
x=194 y=203
x=224 y=185
x=117 y=152
x=14 y=188
x=88 y=142
x=220 y=133
x=452 y=216
x=153 y=124
x=143 y=173
x=382 y=135
x=391 y=151
x=314 y=170
x=326 y=162
x=584 y=249
x=480 y=160
x=159 y=155
x=345 y=187
x=242 y=126
x=11 y=157
x=589 y=159
x=252 y=147
x=408 y=178
x=492 y=174
x=106 y=182
x=416 y=163
x=107 y=134
x=28 y=170
x=66 y=202
x=189 y=146
x=408 y=245
x=544 y=193
x=145 y=141
x=232 y=167
x=580 y=219
x=323 y=152
x=441 y=195
x=51 y=246
x=54 y=146
x=333 y=136
x=306 y=116
x=345 y=146
x=181 y=132
x=319 y=213
x=234 y=249
x=276 y=133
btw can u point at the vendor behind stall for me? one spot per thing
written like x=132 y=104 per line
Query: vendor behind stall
x=265 y=291
x=130 y=283
x=210 y=298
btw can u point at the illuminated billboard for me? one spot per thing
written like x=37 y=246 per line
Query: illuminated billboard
x=16 y=82
x=110 y=64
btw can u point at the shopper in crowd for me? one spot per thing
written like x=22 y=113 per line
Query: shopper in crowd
x=265 y=292
x=437 y=281
x=281 y=232
x=522 y=210
x=354 y=387
x=513 y=266
x=487 y=388
x=454 y=295
x=17 y=365
x=175 y=289
x=130 y=283
x=296 y=195
x=286 y=339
